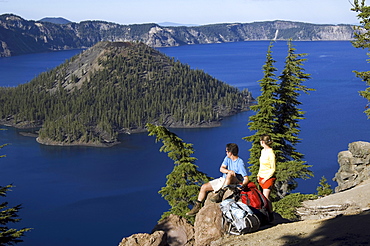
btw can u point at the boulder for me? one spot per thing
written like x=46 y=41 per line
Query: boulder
x=172 y=231
x=348 y=202
x=359 y=149
x=208 y=224
x=178 y=231
x=157 y=238
x=354 y=166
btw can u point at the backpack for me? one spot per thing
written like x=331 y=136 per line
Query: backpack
x=254 y=198
x=238 y=218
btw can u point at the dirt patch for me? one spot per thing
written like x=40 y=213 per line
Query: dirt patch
x=342 y=230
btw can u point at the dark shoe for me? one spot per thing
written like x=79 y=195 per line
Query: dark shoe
x=218 y=198
x=195 y=209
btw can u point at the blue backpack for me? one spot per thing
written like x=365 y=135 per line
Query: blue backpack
x=238 y=217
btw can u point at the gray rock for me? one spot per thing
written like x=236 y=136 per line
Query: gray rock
x=354 y=166
x=158 y=238
x=178 y=231
x=208 y=225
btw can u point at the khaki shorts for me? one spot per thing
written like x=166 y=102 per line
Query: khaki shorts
x=217 y=183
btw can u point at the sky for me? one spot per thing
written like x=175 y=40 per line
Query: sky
x=185 y=11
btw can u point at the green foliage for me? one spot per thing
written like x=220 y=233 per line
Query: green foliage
x=265 y=118
x=324 y=188
x=362 y=40
x=277 y=114
x=182 y=186
x=289 y=162
x=287 y=206
x=9 y=236
x=133 y=85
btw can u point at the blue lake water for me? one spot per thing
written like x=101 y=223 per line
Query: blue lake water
x=81 y=196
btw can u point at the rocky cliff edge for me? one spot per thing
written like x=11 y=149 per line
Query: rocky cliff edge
x=342 y=218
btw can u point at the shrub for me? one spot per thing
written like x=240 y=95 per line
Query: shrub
x=286 y=207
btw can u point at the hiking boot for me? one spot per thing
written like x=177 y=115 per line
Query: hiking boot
x=218 y=198
x=195 y=209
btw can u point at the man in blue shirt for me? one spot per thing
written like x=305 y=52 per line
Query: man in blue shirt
x=234 y=172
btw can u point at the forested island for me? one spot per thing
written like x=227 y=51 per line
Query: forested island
x=117 y=87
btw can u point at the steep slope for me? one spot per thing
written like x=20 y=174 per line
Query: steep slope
x=117 y=87
x=19 y=36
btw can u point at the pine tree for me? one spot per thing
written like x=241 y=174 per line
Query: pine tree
x=265 y=118
x=9 y=236
x=183 y=183
x=324 y=188
x=362 y=40
x=277 y=114
x=289 y=162
x=135 y=85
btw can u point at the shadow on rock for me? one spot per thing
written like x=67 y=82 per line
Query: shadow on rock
x=342 y=230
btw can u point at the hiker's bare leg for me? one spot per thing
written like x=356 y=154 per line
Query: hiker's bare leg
x=266 y=193
x=204 y=189
x=231 y=178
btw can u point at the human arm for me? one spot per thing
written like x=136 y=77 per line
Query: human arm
x=223 y=169
x=245 y=182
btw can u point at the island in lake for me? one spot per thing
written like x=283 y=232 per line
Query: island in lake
x=117 y=87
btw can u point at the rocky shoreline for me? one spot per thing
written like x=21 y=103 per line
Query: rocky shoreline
x=89 y=144
x=29 y=125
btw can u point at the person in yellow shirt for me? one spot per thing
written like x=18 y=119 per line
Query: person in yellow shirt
x=266 y=171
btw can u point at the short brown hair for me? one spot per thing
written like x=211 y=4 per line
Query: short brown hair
x=233 y=148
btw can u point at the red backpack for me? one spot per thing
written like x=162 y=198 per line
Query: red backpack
x=254 y=198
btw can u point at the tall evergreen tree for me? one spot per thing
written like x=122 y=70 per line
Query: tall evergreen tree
x=265 y=118
x=182 y=186
x=9 y=236
x=277 y=114
x=289 y=162
x=362 y=40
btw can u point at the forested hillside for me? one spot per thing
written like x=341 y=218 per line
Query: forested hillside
x=117 y=87
x=20 y=36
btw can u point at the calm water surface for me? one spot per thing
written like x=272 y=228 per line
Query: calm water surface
x=95 y=196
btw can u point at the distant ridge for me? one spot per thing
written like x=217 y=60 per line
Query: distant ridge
x=55 y=20
x=168 y=24
x=19 y=36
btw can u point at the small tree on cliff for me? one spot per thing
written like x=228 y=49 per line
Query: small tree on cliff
x=362 y=37
x=9 y=236
x=182 y=186
x=324 y=188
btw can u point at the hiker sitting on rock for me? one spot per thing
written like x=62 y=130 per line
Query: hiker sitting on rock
x=234 y=172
